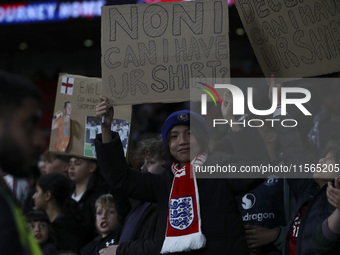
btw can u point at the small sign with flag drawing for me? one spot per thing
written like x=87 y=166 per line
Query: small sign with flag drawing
x=67 y=85
x=75 y=104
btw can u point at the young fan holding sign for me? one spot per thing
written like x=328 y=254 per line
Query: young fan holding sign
x=197 y=215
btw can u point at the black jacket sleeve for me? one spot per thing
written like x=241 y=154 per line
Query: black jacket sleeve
x=144 y=237
x=117 y=173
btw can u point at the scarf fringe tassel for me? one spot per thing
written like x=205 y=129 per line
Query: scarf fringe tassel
x=183 y=243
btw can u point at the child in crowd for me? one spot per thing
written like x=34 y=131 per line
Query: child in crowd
x=53 y=197
x=153 y=155
x=207 y=210
x=139 y=231
x=55 y=163
x=107 y=224
x=41 y=228
x=87 y=185
x=51 y=162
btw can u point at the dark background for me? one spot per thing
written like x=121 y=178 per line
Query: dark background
x=55 y=47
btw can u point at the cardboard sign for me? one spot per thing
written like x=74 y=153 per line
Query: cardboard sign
x=293 y=38
x=74 y=124
x=155 y=52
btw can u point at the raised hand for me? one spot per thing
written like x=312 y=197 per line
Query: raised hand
x=104 y=111
x=104 y=108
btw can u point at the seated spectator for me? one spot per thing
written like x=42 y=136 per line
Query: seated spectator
x=87 y=185
x=55 y=163
x=51 y=163
x=107 y=224
x=41 y=228
x=53 y=197
x=139 y=231
x=152 y=154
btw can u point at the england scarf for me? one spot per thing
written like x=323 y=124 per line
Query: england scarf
x=183 y=231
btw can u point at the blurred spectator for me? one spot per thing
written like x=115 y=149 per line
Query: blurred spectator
x=55 y=163
x=41 y=228
x=20 y=145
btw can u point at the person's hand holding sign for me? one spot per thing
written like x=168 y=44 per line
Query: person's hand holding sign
x=104 y=108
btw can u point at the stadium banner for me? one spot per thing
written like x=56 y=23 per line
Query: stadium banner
x=48 y=11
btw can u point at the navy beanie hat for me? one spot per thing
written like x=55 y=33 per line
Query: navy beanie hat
x=185 y=117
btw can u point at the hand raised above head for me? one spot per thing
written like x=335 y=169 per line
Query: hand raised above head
x=104 y=111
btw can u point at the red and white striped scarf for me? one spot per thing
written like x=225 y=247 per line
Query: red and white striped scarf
x=183 y=231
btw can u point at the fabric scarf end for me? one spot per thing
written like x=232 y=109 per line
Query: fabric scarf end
x=183 y=243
